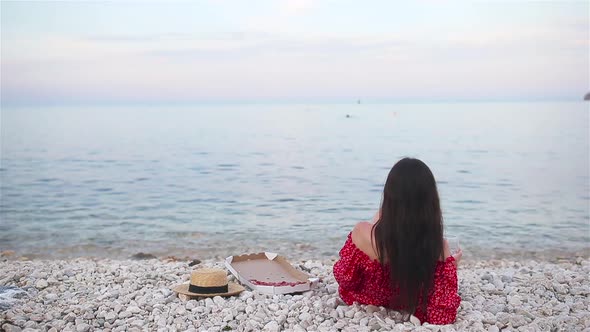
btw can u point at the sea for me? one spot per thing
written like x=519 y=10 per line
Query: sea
x=212 y=180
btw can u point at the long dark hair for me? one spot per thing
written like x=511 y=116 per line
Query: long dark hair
x=409 y=232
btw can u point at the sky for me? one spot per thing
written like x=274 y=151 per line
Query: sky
x=293 y=50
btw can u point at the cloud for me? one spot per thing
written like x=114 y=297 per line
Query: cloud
x=263 y=57
x=183 y=37
x=297 y=7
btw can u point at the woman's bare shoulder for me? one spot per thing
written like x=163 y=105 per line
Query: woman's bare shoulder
x=362 y=238
x=360 y=231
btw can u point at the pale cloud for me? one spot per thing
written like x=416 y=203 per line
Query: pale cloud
x=184 y=70
x=297 y=7
x=271 y=59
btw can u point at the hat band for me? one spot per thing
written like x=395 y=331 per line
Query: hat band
x=207 y=290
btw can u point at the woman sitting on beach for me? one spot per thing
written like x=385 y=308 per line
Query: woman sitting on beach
x=401 y=260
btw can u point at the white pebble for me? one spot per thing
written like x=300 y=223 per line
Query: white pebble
x=414 y=320
x=180 y=311
x=220 y=301
x=271 y=326
x=493 y=328
x=82 y=327
x=133 y=309
x=110 y=316
x=190 y=305
x=514 y=301
x=208 y=302
x=41 y=284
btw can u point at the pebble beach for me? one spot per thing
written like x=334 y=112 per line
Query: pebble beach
x=88 y=294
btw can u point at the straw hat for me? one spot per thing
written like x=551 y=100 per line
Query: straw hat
x=208 y=282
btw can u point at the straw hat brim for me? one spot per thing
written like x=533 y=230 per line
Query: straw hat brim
x=232 y=289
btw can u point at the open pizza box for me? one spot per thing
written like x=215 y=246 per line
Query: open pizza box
x=269 y=273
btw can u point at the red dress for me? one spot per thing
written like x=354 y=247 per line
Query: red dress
x=363 y=280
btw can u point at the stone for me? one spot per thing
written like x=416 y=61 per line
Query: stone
x=487 y=277
x=142 y=256
x=37 y=317
x=133 y=309
x=414 y=320
x=371 y=309
x=82 y=327
x=498 y=284
x=305 y=317
x=432 y=328
x=249 y=309
x=184 y=297
x=503 y=318
x=349 y=313
x=180 y=311
x=209 y=303
x=190 y=305
x=517 y=320
x=11 y=328
x=332 y=302
x=220 y=301
x=332 y=289
x=496 y=308
x=30 y=324
x=194 y=262
x=298 y=328
x=506 y=278
x=41 y=284
x=558 y=288
x=514 y=301
x=110 y=316
x=488 y=287
x=125 y=314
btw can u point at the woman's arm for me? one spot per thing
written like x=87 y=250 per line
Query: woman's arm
x=447 y=253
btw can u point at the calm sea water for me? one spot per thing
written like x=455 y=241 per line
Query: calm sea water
x=218 y=180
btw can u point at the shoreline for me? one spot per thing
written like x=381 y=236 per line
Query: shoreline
x=295 y=251
x=85 y=294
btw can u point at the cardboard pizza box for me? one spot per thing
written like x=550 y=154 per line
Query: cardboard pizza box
x=269 y=273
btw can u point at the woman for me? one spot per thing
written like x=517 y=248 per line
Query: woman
x=401 y=260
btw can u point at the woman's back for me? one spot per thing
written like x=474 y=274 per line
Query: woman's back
x=402 y=257
x=364 y=280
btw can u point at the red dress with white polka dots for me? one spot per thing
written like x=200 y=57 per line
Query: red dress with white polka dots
x=364 y=280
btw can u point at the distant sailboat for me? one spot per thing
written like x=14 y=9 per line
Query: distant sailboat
x=358 y=101
x=587 y=96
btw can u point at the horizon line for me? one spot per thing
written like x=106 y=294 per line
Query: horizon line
x=294 y=101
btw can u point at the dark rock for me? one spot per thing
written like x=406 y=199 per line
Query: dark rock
x=141 y=256
x=194 y=262
x=7 y=296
